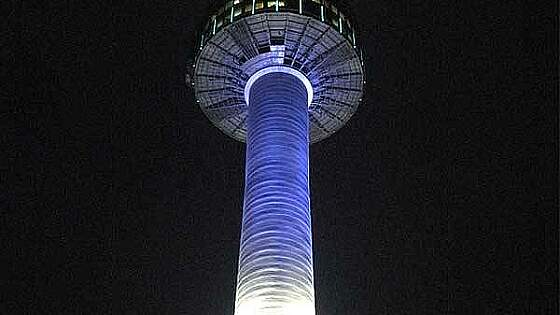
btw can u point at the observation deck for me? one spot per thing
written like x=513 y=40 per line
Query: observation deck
x=313 y=37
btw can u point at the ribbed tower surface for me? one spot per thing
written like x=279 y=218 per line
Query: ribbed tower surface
x=277 y=75
x=276 y=257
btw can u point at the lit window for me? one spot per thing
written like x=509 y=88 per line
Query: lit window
x=214 y=25
x=236 y=2
x=282 y=4
x=259 y=5
x=271 y=4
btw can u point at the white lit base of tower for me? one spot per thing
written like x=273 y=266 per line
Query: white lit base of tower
x=255 y=307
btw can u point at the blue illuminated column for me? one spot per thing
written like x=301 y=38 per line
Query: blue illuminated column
x=276 y=265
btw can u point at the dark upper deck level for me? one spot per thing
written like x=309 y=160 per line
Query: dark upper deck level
x=227 y=12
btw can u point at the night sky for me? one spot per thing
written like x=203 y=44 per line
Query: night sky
x=440 y=195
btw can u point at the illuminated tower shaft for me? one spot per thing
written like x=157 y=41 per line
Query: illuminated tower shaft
x=275 y=264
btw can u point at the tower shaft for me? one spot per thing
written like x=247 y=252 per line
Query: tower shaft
x=276 y=263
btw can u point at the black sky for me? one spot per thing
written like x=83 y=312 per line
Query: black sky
x=440 y=196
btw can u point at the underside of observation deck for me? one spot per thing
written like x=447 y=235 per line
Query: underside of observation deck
x=325 y=54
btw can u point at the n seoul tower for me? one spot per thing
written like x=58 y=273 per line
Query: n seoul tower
x=277 y=75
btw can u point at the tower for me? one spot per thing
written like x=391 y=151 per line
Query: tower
x=277 y=75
